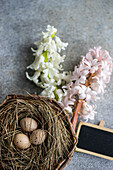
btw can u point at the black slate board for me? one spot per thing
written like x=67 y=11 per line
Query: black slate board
x=96 y=140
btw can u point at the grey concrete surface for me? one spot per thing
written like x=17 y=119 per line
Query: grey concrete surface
x=82 y=23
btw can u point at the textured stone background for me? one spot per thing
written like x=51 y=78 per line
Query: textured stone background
x=82 y=23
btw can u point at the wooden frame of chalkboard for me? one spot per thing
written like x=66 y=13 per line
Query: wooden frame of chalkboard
x=99 y=129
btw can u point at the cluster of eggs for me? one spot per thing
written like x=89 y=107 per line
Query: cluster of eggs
x=37 y=137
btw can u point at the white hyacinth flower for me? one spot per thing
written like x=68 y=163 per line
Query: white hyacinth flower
x=47 y=64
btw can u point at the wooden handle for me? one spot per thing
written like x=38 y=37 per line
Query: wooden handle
x=102 y=123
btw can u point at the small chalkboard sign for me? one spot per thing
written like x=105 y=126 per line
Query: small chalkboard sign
x=95 y=140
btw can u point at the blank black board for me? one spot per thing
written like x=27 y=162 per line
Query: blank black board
x=95 y=140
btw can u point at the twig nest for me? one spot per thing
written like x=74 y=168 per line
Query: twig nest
x=38 y=136
x=58 y=136
x=22 y=141
x=28 y=124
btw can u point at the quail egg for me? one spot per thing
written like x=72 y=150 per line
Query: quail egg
x=38 y=136
x=22 y=141
x=28 y=124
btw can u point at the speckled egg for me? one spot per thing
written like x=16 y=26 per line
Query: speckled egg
x=28 y=124
x=38 y=136
x=22 y=141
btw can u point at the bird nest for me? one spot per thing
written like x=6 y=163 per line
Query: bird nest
x=58 y=147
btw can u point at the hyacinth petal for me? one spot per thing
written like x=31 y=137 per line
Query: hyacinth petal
x=71 y=93
x=67 y=102
x=88 y=97
x=83 y=87
x=68 y=86
x=82 y=96
x=82 y=79
x=77 y=88
x=95 y=61
x=93 y=69
x=95 y=77
x=70 y=102
x=68 y=108
x=34 y=78
x=85 y=72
